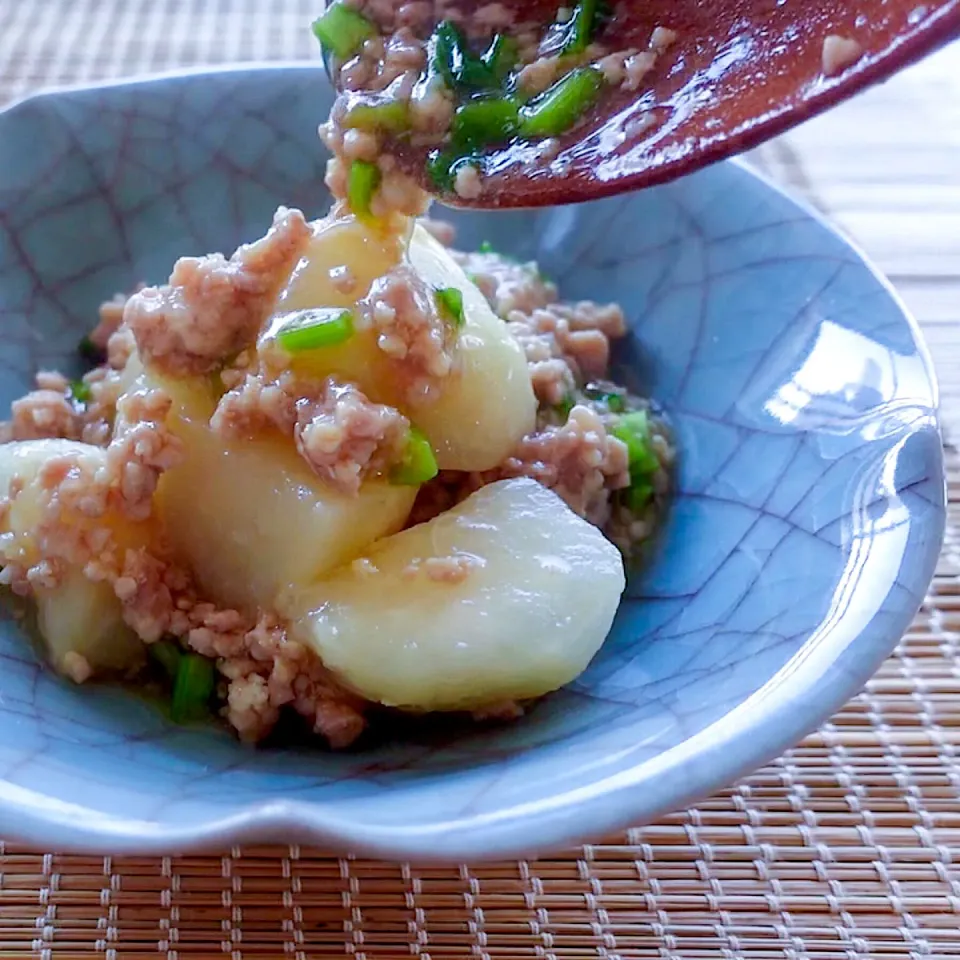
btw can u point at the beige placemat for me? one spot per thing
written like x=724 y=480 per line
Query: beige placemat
x=847 y=847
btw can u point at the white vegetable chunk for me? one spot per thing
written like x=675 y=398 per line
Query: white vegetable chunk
x=488 y=406
x=507 y=596
x=77 y=615
x=83 y=617
x=251 y=519
x=483 y=408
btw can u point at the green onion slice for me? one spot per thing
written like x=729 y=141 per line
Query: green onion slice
x=480 y=122
x=475 y=76
x=167 y=655
x=562 y=105
x=192 y=688
x=614 y=402
x=564 y=407
x=362 y=182
x=80 y=391
x=638 y=495
x=314 y=329
x=448 y=51
x=392 y=116
x=451 y=58
x=442 y=167
x=501 y=57
x=461 y=69
x=418 y=464
x=439 y=169
x=342 y=30
x=634 y=430
x=449 y=302
x=581 y=28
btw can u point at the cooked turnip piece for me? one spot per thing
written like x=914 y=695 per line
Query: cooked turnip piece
x=487 y=407
x=482 y=409
x=507 y=596
x=251 y=519
x=77 y=615
x=82 y=617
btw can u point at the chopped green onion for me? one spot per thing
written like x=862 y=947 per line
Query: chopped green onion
x=80 y=391
x=448 y=53
x=485 y=121
x=566 y=405
x=438 y=169
x=614 y=402
x=562 y=105
x=167 y=654
x=462 y=69
x=342 y=30
x=475 y=75
x=392 y=116
x=362 y=182
x=579 y=30
x=90 y=351
x=442 y=167
x=192 y=688
x=638 y=495
x=634 y=430
x=486 y=247
x=418 y=464
x=450 y=305
x=315 y=329
x=501 y=56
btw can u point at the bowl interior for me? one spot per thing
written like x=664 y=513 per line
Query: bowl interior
x=804 y=533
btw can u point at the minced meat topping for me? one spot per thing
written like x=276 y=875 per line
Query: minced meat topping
x=423 y=76
x=402 y=309
x=213 y=307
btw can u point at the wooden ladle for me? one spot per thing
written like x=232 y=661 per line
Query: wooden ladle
x=738 y=73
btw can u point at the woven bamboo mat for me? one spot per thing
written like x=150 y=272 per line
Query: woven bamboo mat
x=846 y=847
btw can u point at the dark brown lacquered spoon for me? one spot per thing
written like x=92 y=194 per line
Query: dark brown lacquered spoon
x=738 y=72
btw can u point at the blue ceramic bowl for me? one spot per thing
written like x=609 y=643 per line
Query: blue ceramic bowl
x=805 y=531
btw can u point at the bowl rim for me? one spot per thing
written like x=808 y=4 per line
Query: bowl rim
x=609 y=805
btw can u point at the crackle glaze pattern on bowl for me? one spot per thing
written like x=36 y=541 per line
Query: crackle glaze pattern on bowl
x=805 y=531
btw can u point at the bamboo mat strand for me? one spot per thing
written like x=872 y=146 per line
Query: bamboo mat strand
x=847 y=847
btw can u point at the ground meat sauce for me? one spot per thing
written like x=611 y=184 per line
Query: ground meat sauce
x=345 y=438
x=420 y=78
x=213 y=307
x=421 y=345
